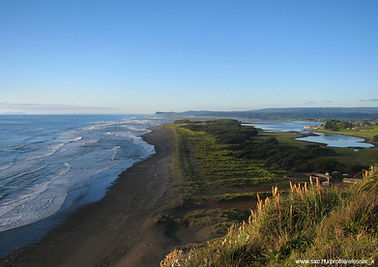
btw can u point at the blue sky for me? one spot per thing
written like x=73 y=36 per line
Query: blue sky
x=146 y=56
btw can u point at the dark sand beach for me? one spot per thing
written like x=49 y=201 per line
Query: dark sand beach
x=119 y=230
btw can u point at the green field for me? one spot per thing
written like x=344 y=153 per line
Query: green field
x=210 y=172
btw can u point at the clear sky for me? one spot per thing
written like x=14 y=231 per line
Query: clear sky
x=146 y=56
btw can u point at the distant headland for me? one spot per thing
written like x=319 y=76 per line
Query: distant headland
x=299 y=113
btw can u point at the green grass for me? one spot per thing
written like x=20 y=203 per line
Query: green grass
x=200 y=155
x=286 y=138
x=219 y=220
x=206 y=166
x=311 y=222
x=248 y=196
x=243 y=182
x=364 y=156
x=217 y=161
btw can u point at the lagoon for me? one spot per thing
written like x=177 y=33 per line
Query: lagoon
x=331 y=140
x=336 y=140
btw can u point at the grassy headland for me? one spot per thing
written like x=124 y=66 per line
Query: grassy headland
x=223 y=167
x=311 y=223
x=217 y=187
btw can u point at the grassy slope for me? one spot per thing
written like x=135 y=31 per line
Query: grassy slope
x=310 y=223
x=217 y=186
x=202 y=159
x=215 y=179
x=213 y=192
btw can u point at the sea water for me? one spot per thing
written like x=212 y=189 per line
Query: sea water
x=51 y=164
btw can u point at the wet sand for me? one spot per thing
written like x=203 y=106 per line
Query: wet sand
x=119 y=230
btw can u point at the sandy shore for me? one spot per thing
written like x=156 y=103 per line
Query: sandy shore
x=119 y=229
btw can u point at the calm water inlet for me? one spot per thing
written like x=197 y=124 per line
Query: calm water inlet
x=336 y=140
x=332 y=140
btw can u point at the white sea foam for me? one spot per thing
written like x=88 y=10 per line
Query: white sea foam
x=33 y=208
x=115 y=152
x=20 y=169
x=101 y=126
x=36 y=203
x=11 y=210
x=57 y=147
x=62 y=172
x=82 y=154
x=139 y=130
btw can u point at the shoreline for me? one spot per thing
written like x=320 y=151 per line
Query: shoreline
x=118 y=230
x=366 y=139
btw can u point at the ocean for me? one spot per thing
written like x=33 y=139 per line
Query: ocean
x=52 y=164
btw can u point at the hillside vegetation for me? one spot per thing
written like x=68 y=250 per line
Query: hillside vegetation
x=214 y=183
x=246 y=143
x=312 y=224
x=222 y=166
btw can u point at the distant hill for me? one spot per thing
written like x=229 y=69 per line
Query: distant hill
x=356 y=113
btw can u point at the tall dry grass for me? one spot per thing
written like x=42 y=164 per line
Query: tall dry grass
x=311 y=222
